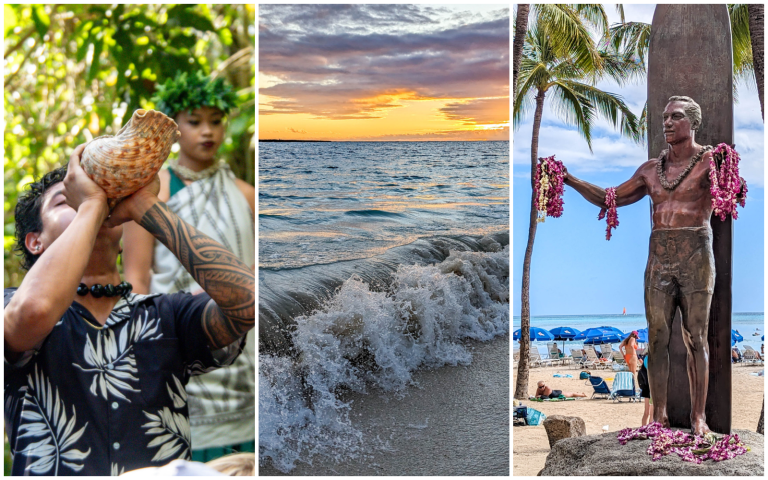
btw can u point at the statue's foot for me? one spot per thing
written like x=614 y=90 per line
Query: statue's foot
x=699 y=427
x=662 y=419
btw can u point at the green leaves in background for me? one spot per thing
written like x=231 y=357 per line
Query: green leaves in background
x=75 y=72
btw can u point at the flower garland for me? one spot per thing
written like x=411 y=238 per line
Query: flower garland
x=691 y=448
x=548 y=188
x=725 y=183
x=610 y=207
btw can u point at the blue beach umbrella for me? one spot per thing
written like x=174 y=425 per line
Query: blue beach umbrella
x=736 y=336
x=564 y=333
x=599 y=335
x=642 y=335
x=537 y=333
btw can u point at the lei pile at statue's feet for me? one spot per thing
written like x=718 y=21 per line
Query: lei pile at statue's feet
x=691 y=448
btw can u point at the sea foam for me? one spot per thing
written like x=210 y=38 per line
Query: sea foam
x=363 y=339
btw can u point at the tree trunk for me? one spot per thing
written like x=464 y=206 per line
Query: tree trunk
x=760 y=422
x=521 y=28
x=756 y=31
x=521 y=387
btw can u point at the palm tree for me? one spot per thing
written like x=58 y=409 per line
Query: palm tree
x=746 y=41
x=549 y=68
x=521 y=27
x=756 y=28
x=568 y=25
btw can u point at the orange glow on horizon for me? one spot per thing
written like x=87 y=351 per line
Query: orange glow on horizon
x=399 y=115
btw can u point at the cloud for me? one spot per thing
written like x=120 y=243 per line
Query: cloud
x=482 y=111
x=358 y=61
x=496 y=134
x=295 y=130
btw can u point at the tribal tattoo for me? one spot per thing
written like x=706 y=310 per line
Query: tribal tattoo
x=229 y=282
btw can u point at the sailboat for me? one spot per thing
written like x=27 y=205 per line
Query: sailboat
x=625 y=311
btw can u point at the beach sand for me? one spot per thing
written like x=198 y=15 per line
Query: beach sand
x=454 y=422
x=530 y=446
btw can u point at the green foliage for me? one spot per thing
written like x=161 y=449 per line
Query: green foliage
x=567 y=74
x=75 y=72
x=189 y=92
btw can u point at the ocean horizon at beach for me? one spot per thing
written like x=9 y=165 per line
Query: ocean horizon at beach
x=385 y=259
x=745 y=322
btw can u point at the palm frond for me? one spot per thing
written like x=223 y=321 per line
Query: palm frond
x=623 y=68
x=573 y=109
x=612 y=107
x=595 y=15
x=567 y=32
x=743 y=67
x=631 y=37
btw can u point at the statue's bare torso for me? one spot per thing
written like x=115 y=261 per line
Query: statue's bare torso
x=688 y=205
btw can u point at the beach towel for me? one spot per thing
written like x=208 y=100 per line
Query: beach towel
x=221 y=403
x=623 y=385
x=561 y=398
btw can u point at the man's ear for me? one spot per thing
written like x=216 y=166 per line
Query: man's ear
x=33 y=243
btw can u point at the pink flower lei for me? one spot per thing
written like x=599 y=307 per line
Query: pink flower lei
x=548 y=188
x=610 y=207
x=691 y=448
x=725 y=183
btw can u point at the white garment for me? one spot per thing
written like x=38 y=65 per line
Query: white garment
x=221 y=403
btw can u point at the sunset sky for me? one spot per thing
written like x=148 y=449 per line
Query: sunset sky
x=384 y=72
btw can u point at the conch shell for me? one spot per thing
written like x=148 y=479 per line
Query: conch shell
x=125 y=163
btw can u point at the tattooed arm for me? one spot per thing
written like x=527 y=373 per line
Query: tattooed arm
x=229 y=282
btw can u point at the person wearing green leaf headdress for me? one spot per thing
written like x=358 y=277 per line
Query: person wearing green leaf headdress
x=202 y=190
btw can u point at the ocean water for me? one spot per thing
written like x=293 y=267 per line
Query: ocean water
x=377 y=259
x=745 y=323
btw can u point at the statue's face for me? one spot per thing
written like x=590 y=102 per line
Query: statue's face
x=677 y=125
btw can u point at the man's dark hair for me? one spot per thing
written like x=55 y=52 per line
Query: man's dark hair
x=28 y=218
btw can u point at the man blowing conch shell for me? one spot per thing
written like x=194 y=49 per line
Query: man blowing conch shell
x=95 y=375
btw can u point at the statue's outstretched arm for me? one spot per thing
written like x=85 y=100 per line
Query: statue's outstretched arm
x=627 y=193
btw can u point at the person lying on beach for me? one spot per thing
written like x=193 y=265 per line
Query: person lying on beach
x=543 y=391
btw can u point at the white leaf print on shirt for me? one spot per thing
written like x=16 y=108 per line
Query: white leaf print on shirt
x=44 y=419
x=112 y=359
x=171 y=429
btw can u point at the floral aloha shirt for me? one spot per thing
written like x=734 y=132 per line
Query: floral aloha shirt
x=94 y=400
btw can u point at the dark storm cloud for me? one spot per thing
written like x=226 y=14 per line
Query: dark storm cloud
x=342 y=61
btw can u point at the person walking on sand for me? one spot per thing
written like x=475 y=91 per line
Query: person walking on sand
x=543 y=391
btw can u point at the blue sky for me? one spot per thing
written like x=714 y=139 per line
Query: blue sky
x=574 y=270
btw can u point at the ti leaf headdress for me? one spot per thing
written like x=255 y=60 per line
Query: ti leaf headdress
x=189 y=92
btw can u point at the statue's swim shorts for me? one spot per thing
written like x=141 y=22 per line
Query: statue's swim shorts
x=681 y=261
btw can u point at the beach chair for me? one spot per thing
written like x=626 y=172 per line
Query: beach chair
x=618 y=361
x=537 y=361
x=749 y=357
x=577 y=355
x=592 y=357
x=606 y=350
x=623 y=387
x=554 y=353
x=583 y=361
x=599 y=386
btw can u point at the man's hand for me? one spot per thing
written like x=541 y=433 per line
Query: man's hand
x=134 y=206
x=78 y=186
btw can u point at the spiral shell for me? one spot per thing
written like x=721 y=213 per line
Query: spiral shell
x=128 y=161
